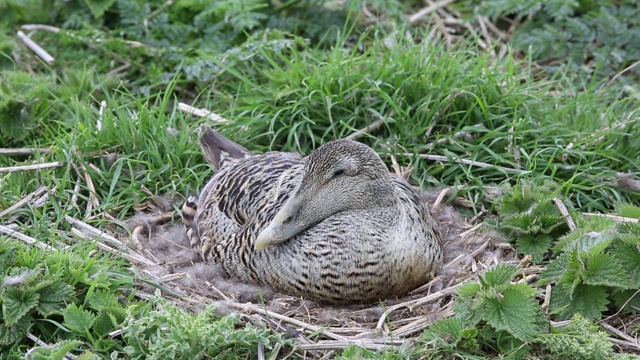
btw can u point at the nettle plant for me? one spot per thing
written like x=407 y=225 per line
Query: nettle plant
x=529 y=217
x=598 y=264
x=59 y=295
x=502 y=311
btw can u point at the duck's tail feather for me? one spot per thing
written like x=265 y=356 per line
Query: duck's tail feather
x=189 y=209
x=219 y=150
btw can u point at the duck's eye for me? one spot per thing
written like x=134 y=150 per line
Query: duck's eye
x=338 y=172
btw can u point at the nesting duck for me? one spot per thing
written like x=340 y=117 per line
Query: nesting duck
x=334 y=227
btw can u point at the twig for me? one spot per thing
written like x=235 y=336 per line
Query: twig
x=565 y=214
x=371 y=127
x=157 y=11
x=441 y=196
x=622 y=307
x=95 y=232
x=261 y=351
x=275 y=351
x=429 y=9
x=626 y=344
x=74 y=195
x=41 y=190
x=620 y=73
x=28 y=239
x=417 y=302
x=463 y=235
x=30 y=167
x=103 y=105
x=467 y=162
x=421 y=323
x=201 y=113
x=131 y=257
x=619 y=333
x=42 y=53
x=24 y=151
x=613 y=217
x=369 y=344
x=55 y=30
x=45 y=345
x=303 y=325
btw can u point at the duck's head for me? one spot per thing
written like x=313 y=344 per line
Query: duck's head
x=341 y=175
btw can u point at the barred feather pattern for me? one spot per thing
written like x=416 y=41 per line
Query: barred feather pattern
x=353 y=256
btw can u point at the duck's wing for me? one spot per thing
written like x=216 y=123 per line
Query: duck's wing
x=246 y=189
x=218 y=150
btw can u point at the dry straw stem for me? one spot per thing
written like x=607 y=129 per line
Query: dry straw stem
x=565 y=214
x=37 y=49
x=55 y=30
x=135 y=258
x=301 y=324
x=39 y=192
x=202 y=113
x=613 y=217
x=43 y=344
x=466 y=162
x=27 y=239
x=415 y=303
x=24 y=151
x=30 y=167
x=427 y=10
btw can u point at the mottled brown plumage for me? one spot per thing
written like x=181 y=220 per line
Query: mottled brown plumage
x=334 y=227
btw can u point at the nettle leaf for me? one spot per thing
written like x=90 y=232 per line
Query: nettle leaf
x=514 y=313
x=594 y=242
x=103 y=324
x=579 y=340
x=98 y=7
x=100 y=299
x=499 y=275
x=534 y=245
x=15 y=332
x=628 y=255
x=17 y=302
x=604 y=269
x=468 y=289
x=557 y=268
x=588 y=300
x=78 y=319
x=53 y=297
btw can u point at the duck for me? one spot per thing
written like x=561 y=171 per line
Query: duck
x=335 y=227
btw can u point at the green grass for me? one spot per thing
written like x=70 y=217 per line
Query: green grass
x=281 y=92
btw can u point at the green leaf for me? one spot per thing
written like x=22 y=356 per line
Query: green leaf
x=588 y=300
x=78 y=319
x=15 y=332
x=98 y=7
x=499 y=275
x=16 y=302
x=468 y=289
x=557 y=268
x=100 y=299
x=604 y=269
x=514 y=313
x=103 y=324
x=534 y=245
x=53 y=297
x=629 y=257
x=579 y=340
x=594 y=242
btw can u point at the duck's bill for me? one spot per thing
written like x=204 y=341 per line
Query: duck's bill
x=281 y=228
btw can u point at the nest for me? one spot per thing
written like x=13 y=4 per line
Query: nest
x=161 y=251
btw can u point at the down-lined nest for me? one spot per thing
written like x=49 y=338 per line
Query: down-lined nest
x=163 y=254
